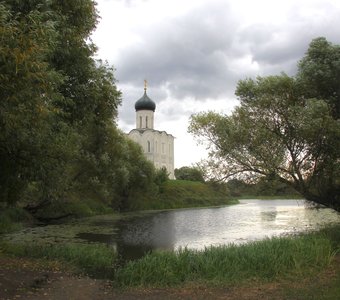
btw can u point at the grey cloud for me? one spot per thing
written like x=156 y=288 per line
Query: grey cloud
x=275 y=48
x=194 y=55
x=279 y=48
x=191 y=53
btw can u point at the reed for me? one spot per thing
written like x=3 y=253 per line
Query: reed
x=266 y=260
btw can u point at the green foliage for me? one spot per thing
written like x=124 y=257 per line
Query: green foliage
x=161 y=176
x=137 y=179
x=27 y=90
x=319 y=73
x=73 y=207
x=279 y=131
x=59 y=143
x=238 y=188
x=189 y=173
x=273 y=187
x=263 y=260
x=265 y=186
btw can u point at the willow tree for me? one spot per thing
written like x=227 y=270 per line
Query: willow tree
x=28 y=88
x=58 y=108
x=280 y=131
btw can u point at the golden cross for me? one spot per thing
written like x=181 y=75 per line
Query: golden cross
x=145 y=84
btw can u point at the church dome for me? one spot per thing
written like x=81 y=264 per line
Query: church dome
x=145 y=103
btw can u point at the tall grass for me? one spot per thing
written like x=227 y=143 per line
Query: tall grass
x=264 y=260
x=94 y=259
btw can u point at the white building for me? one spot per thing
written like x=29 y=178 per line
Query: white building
x=158 y=146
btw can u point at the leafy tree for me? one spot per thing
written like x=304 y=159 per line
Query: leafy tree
x=29 y=130
x=277 y=131
x=189 y=173
x=58 y=137
x=319 y=73
x=272 y=186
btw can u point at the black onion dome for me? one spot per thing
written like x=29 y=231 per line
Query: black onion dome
x=145 y=103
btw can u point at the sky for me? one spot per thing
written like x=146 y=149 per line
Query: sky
x=193 y=53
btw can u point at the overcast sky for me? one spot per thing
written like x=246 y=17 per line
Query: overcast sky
x=193 y=52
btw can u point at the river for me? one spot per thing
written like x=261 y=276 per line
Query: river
x=199 y=228
x=135 y=234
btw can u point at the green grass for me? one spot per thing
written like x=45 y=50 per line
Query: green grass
x=263 y=260
x=94 y=259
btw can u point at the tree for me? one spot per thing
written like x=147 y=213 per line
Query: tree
x=189 y=173
x=58 y=109
x=278 y=131
x=161 y=176
x=319 y=73
x=27 y=115
x=239 y=188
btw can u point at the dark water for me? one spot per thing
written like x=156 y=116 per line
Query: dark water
x=199 y=228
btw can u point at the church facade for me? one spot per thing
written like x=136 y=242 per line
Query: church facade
x=158 y=146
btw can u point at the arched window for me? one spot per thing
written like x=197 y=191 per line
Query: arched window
x=146 y=122
x=140 y=122
x=149 y=146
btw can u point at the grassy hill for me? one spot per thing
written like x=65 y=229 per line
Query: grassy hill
x=185 y=193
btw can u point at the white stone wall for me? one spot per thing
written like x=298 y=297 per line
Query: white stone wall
x=144 y=119
x=158 y=147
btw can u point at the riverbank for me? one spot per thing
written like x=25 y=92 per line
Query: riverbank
x=309 y=270
x=265 y=260
x=172 y=194
x=175 y=194
x=270 y=262
x=285 y=197
x=23 y=280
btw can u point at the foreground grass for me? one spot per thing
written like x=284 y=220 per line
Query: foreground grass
x=289 y=257
x=96 y=260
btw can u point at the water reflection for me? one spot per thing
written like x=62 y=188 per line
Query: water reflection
x=199 y=228
x=268 y=216
x=141 y=235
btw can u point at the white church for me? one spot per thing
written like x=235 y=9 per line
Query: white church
x=158 y=146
